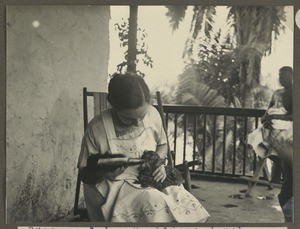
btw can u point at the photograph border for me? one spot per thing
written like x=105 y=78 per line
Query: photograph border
x=296 y=108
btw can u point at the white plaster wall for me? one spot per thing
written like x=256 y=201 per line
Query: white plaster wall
x=47 y=67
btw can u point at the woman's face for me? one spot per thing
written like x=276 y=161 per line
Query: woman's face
x=132 y=117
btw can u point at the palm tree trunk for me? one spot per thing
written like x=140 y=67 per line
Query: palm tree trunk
x=245 y=89
x=250 y=71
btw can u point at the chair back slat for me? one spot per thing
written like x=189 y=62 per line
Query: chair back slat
x=161 y=112
x=100 y=102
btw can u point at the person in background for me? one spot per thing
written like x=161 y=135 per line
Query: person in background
x=129 y=128
x=278 y=133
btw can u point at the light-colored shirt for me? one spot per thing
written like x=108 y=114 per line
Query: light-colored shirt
x=95 y=139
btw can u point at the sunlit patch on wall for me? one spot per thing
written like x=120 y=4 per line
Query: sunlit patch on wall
x=35 y=24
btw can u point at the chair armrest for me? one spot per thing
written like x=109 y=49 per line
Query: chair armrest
x=189 y=164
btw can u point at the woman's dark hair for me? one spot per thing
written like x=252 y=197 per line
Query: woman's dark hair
x=127 y=91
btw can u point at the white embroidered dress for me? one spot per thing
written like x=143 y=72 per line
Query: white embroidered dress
x=126 y=200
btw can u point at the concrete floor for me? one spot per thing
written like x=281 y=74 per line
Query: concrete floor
x=227 y=204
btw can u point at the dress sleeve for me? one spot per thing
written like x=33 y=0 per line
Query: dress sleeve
x=156 y=123
x=89 y=146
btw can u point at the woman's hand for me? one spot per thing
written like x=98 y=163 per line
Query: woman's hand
x=266 y=120
x=160 y=174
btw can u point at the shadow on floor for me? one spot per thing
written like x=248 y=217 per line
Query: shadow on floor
x=226 y=202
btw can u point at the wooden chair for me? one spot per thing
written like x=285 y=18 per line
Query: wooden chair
x=100 y=104
x=253 y=181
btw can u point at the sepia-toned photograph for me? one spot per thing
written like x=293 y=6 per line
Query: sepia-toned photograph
x=149 y=114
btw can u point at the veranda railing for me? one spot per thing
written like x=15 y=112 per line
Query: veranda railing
x=215 y=136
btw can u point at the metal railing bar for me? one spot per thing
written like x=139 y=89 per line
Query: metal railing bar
x=214 y=144
x=184 y=109
x=184 y=136
x=245 y=145
x=234 y=146
x=204 y=143
x=224 y=144
x=195 y=139
x=175 y=135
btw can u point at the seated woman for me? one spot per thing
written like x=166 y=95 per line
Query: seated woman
x=131 y=127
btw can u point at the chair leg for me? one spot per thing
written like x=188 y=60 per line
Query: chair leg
x=78 y=183
x=187 y=176
x=258 y=171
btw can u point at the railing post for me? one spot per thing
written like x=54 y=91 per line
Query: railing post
x=175 y=137
x=184 y=136
x=244 y=144
x=234 y=146
x=204 y=144
x=224 y=144
x=187 y=176
x=195 y=139
x=214 y=144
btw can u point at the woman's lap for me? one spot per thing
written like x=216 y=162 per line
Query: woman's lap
x=126 y=202
x=151 y=205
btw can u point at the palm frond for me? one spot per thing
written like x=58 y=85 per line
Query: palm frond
x=175 y=14
x=203 y=19
x=192 y=91
x=199 y=16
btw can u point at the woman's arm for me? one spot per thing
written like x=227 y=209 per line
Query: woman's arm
x=94 y=173
x=282 y=117
x=162 y=150
x=90 y=172
x=161 y=141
